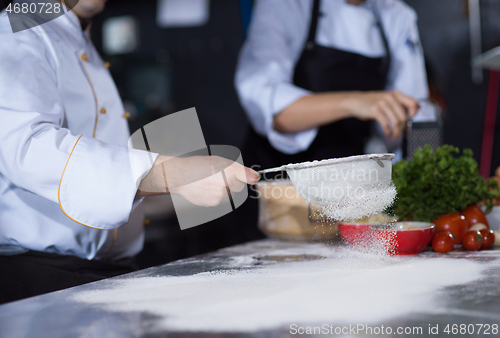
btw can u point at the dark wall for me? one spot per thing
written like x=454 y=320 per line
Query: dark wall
x=202 y=60
x=444 y=31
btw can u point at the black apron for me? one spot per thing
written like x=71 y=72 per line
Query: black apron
x=324 y=69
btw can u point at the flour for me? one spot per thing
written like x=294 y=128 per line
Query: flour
x=354 y=207
x=346 y=286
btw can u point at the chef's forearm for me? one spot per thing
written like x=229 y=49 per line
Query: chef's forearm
x=155 y=183
x=313 y=111
x=195 y=178
x=389 y=108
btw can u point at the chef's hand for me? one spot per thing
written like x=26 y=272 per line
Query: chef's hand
x=194 y=179
x=388 y=108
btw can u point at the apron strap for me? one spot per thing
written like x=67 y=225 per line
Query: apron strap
x=378 y=22
x=314 y=25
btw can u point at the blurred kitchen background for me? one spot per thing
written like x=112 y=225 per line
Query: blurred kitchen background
x=169 y=55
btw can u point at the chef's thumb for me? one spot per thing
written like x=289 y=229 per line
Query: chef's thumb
x=247 y=175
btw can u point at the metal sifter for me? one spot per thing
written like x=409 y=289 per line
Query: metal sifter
x=349 y=187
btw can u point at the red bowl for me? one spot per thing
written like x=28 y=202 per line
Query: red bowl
x=403 y=238
x=355 y=234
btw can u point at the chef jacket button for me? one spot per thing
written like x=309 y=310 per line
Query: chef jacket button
x=310 y=45
x=103 y=111
x=147 y=222
x=107 y=64
x=126 y=115
x=85 y=57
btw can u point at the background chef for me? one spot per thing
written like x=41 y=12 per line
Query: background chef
x=69 y=202
x=312 y=75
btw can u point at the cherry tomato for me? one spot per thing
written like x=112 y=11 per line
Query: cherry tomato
x=452 y=222
x=443 y=242
x=472 y=240
x=488 y=238
x=473 y=214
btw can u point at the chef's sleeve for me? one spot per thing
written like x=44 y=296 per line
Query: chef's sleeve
x=264 y=77
x=93 y=182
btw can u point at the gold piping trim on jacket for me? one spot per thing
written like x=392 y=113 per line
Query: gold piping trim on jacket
x=115 y=234
x=59 y=189
x=95 y=95
x=112 y=244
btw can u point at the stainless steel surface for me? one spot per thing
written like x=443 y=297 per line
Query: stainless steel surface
x=475 y=38
x=488 y=60
x=420 y=134
x=57 y=315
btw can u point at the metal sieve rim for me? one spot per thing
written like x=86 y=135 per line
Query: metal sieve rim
x=356 y=158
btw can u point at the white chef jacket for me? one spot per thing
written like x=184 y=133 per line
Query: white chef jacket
x=67 y=178
x=276 y=39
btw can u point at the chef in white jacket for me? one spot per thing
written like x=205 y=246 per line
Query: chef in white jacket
x=321 y=79
x=312 y=73
x=68 y=181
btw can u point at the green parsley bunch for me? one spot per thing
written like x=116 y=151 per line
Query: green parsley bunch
x=439 y=182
